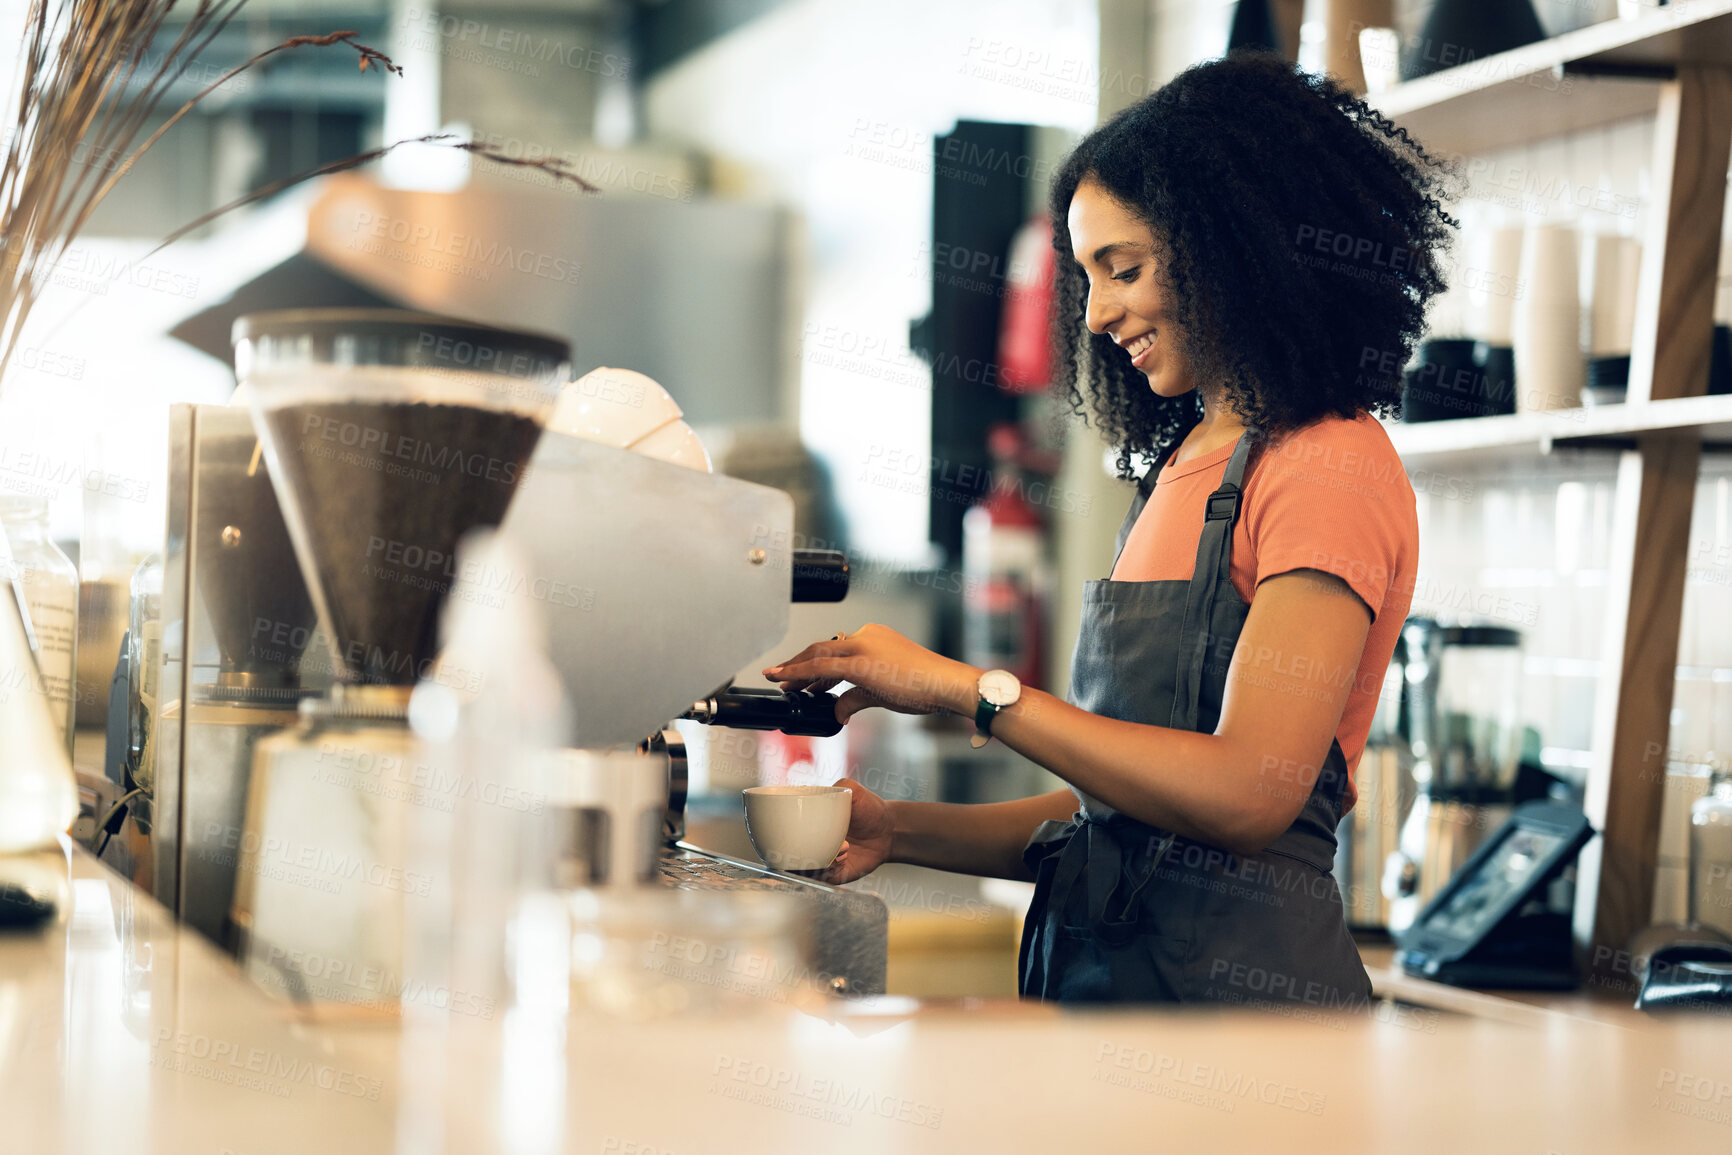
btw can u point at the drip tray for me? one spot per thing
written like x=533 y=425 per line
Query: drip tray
x=850 y=928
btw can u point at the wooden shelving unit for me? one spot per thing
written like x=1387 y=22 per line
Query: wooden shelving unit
x=1562 y=85
x=1478 y=441
x=1675 y=65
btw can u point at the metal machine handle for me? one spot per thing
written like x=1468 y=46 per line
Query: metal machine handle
x=749 y=708
x=672 y=743
x=820 y=575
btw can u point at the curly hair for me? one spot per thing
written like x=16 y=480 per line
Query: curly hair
x=1304 y=233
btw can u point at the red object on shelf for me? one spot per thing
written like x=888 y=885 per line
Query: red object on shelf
x=1004 y=563
x=1024 y=332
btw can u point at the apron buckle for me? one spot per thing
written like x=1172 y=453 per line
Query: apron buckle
x=1228 y=493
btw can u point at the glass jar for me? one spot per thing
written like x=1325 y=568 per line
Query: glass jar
x=651 y=953
x=1465 y=723
x=50 y=583
x=1711 y=855
x=38 y=797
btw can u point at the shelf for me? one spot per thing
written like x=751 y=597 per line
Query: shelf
x=1526 y=94
x=1518 y=436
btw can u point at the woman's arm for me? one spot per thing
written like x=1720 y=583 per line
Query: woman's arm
x=1242 y=786
x=1238 y=788
x=973 y=838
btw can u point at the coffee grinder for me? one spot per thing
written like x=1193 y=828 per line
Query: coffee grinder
x=389 y=436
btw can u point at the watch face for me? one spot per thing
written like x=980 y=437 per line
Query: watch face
x=1000 y=687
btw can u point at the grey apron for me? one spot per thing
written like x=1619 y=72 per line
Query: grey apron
x=1126 y=912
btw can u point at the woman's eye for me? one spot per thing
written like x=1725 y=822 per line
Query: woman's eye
x=1128 y=275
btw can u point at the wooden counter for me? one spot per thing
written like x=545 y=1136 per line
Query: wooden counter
x=119 y=1031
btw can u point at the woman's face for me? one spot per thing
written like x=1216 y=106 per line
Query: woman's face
x=1126 y=299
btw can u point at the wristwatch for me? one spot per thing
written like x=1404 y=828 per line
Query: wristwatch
x=998 y=690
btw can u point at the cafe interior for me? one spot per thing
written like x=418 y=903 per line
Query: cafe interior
x=423 y=422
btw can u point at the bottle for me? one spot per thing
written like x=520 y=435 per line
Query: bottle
x=1005 y=570
x=486 y=719
x=144 y=646
x=50 y=584
x=1711 y=855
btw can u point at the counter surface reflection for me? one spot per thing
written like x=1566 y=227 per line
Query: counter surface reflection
x=122 y=1031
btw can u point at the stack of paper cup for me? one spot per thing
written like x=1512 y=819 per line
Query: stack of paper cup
x=1493 y=282
x=1548 y=321
x=1614 y=265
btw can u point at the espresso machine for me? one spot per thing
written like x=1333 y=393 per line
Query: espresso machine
x=387 y=438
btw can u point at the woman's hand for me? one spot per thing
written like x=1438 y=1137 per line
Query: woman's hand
x=886 y=670
x=870 y=833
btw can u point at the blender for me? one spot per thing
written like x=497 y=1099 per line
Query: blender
x=1464 y=733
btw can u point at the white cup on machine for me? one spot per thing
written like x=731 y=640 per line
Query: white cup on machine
x=798 y=827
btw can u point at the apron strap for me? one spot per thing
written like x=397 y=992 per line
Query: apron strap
x=1214 y=565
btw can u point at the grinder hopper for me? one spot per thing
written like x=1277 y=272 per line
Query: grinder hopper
x=389 y=435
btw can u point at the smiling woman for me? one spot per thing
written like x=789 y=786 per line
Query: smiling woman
x=1225 y=675
x=1232 y=172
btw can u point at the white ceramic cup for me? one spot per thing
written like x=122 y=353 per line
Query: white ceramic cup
x=675 y=442
x=613 y=406
x=798 y=827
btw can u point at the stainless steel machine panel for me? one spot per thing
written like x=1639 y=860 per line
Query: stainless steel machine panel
x=218 y=623
x=656 y=581
x=850 y=929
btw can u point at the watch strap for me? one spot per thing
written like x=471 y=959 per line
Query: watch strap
x=984 y=713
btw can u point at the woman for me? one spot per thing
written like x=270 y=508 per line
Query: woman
x=1250 y=250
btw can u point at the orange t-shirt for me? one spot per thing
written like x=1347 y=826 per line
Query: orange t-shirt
x=1332 y=496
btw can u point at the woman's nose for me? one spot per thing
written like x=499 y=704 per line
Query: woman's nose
x=1102 y=309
